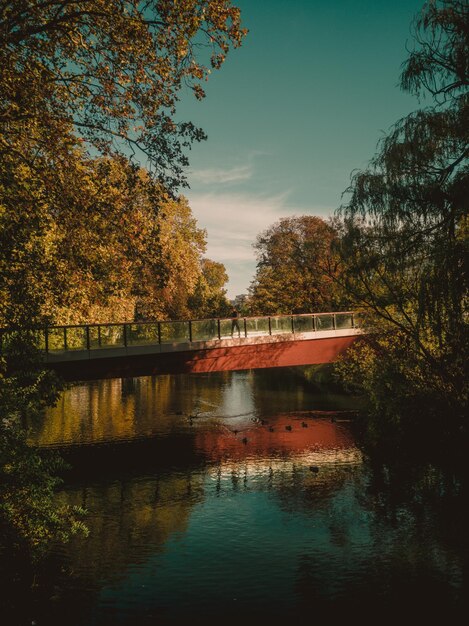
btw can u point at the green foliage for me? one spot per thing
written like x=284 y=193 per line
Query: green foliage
x=296 y=267
x=110 y=242
x=77 y=247
x=29 y=519
x=404 y=242
x=80 y=235
x=438 y=64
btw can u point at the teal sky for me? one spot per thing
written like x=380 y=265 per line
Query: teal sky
x=291 y=114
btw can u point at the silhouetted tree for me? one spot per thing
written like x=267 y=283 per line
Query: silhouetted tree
x=404 y=244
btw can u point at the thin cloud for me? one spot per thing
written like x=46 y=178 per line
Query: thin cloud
x=219 y=176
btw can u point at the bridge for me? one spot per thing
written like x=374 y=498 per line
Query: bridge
x=93 y=351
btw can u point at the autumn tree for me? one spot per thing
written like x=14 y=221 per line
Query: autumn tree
x=209 y=296
x=295 y=267
x=164 y=293
x=405 y=236
x=80 y=256
x=115 y=244
x=113 y=69
x=82 y=77
x=86 y=86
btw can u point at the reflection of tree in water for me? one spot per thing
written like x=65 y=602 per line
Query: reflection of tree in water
x=402 y=542
x=426 y=507
x=367 y=541
x=310 y=493
x=125 y=408
x=284 y=476
x=130 y=518
x=293 y=391
x=120 y=409
x=129 y=521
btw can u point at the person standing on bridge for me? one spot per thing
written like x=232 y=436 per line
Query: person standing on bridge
x=234 y=321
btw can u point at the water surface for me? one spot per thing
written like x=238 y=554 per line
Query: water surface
x=240 y=496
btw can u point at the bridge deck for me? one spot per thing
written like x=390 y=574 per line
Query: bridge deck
x=136 y=349
x=254 y=339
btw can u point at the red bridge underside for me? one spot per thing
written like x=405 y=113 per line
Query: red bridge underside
x=234 y=357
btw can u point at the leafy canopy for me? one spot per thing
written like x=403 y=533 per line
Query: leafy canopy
x=295 y=267
x=111 y=69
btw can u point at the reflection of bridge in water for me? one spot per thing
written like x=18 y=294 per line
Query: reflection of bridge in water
x=95 y=351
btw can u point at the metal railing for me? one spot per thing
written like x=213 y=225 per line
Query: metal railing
x=121 y=335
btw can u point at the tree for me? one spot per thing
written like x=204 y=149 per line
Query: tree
x=209 y=296
x=83 y=83
x=82 y=77
x=295 y=267
x=29 y=519
x=110 y=69
x=165 y=292
x=405 y=230
x=79 y=257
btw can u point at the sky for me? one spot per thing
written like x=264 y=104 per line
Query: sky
x=290 y=115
